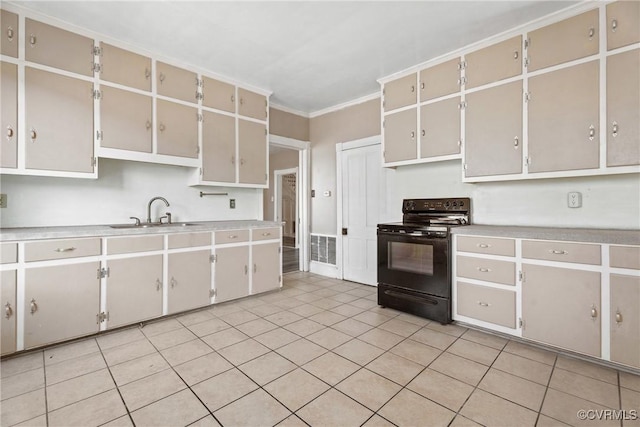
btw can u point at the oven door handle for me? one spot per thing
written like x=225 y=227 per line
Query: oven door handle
x=411 y=297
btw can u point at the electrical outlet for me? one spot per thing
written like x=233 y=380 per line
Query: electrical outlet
x=574 y=199
x=232 y=203
x=3 y=200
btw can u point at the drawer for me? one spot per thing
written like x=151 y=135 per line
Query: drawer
x=622 y=257
x=128 y=245
x=265 y=233
x=489 y=270
x=8 y=253
x=487 y=304
x=60 y=249
x=231 y=236
x=189 y=240
x=487 y=245
x=580 y=253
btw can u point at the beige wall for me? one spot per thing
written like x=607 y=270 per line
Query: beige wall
x=351 y=123
x=285 y=159
x=288 y=125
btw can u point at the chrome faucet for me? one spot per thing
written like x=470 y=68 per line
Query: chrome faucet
x=149 y=206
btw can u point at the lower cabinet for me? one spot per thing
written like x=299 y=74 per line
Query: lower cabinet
x=231 y=272
x=134 y=289
x=266 y=267
x=61 y=302
x=561 y=307
x=487 y=304
x=189 y=280
x=8 y=322
x=624 y=323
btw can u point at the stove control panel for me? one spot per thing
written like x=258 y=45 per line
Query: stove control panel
x=436 y=205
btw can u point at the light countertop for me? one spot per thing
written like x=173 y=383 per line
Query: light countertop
x=38 y=233
x=591 y=235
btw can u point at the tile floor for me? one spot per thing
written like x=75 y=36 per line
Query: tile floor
x=321 y=353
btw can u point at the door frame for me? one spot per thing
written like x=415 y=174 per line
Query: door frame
x=277 y=203
x=340 y=147
x=304 y=183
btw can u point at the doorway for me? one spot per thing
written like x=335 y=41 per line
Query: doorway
x=287 y=199
x=363 y=203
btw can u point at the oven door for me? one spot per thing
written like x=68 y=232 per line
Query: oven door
x=419 y=263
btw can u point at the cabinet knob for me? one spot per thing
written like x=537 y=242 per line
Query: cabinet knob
x=158 y=284
x=246 y=269
x=413 y=88
x=424 y=132
x=592 y=132
x=516 y=142
x=147 y=73
x=255 y=268
x=241 y=161
x=618 y=317
x=233 y=160
x=33 y=134
x=147 y=124
x=594 y=312
x=614 y=25
x=516 y=55
x=10 y=34
x=592 y=32
x=241 y=101
x=161 y=77
x=161 y=127
x=413 y=135
x=32 y=40
x=233 y=98
x=8 y=311
x=33 y=306
x=174 y=282
x=422 y=85
x=10 y=132
x=614 y=129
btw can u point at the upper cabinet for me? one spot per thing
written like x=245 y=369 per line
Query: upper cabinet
x=623 y=24
x=9 y=25
x=58 y=48
x=564 y=41
x=252 y=104
x=218 y=148
x=564 y=119
x=58 y=122
x=177 y=83
x=126 y=120
x=177 y=129
x=440 y=80
x=623 y=108
x=494 y=63
x=252 y=149
x=399 y=93
x=9 y=105
x=123 y=67
x=545 y=101
x=218 y=95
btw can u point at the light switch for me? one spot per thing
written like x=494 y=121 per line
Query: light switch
x=574 y=199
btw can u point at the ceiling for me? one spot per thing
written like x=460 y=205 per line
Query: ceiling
x=311 y=54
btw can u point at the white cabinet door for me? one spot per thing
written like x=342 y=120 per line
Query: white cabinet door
x=231 y=273
x=625 y=320
x=134 y=289
x=189 y=280
x=61 y=302
x=266 y=267
x=9 y=119
x=8 y=320
x=252 y=149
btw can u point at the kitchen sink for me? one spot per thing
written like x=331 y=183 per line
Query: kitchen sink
x=153 y=225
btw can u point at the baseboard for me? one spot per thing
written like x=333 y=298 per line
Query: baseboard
x=323 y=269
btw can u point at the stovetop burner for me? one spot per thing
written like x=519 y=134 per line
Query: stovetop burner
x=432 y=214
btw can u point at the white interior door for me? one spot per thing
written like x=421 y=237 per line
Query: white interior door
x=363 y=198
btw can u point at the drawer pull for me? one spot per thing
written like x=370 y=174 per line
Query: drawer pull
x=614 y=129
x=618 y=317
x=555 y=252
x=32 y=40
x=484 y=245
x=10 y=132
x=483 y=304
x=158 y=284
x=10 y=33
x=484 y=270
x=174 y=282
x=266 y=234
x=594 y=312
x=614 y=25
x=232 y=236
x=70 y=249
x=592 y=32
x=33 y=305
x=8 y=311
